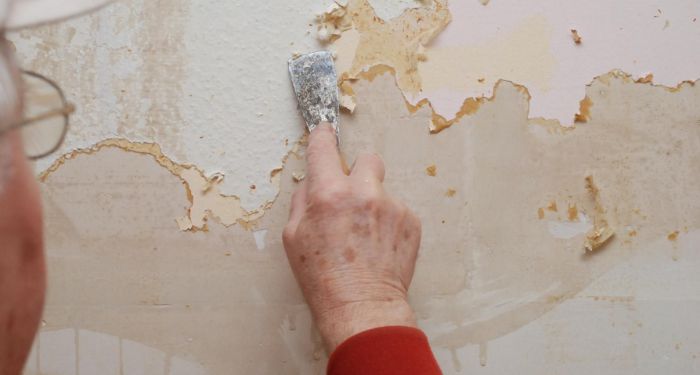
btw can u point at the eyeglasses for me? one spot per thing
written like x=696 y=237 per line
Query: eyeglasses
x=46 y=116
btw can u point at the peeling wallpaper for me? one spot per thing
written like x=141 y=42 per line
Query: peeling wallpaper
x=211 y=91
x=556 y=181
x=529 y=44
x=213 y=94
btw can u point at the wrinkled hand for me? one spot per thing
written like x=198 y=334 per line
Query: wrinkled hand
x=351 y=246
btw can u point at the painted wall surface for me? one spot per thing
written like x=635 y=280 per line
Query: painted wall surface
x=517 y=146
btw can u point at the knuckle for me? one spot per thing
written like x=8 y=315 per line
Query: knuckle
x=369 y=204
x=410 y=218
x=366 y=155
x=371 y=159
x=370 y=200
x=288 y=235
x=330 y=195
x=400 y=208
x=376 y=159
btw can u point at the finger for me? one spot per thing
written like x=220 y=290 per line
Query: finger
x=411 y=233
x=368 y=166
x=297 y=207
x=322 y=155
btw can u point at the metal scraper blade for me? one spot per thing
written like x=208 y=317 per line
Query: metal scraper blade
x=316 y=86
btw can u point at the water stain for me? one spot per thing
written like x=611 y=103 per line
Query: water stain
x=483 y=354
x=457 y=365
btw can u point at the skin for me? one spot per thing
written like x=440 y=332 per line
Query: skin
x=352 y=246
x=22 y=267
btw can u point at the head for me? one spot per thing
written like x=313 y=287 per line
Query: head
x=22 y=270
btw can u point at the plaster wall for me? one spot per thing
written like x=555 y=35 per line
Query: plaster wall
x=165 y=206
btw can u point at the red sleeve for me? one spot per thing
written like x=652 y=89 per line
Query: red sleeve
x=384 y=351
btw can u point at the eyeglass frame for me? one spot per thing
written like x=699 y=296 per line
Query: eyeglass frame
x=65 y=111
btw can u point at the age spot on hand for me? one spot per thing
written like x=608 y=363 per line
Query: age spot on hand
x=349 y=254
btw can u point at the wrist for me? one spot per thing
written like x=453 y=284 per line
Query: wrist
x=341 y=323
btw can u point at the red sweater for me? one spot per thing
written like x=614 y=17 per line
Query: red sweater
x=384 y=351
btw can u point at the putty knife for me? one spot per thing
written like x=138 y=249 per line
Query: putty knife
x=316 y=85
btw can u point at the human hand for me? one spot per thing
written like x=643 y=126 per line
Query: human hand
x=352 y=247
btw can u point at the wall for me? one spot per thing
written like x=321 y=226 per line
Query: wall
x=517 y=146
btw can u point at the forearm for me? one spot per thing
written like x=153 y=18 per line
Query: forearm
x=386 y=351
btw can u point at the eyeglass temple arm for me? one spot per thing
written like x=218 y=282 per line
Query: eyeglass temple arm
x=67 y=110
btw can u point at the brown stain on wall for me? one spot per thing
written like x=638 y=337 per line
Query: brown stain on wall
x=585 y=111
x=601 y=232
x=649 y=78
x=576 y=37
x=573 y=212
x=673 y=236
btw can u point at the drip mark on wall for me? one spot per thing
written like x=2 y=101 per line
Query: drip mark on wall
x=259 y=236
x=483 y=354
x=79 y=351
